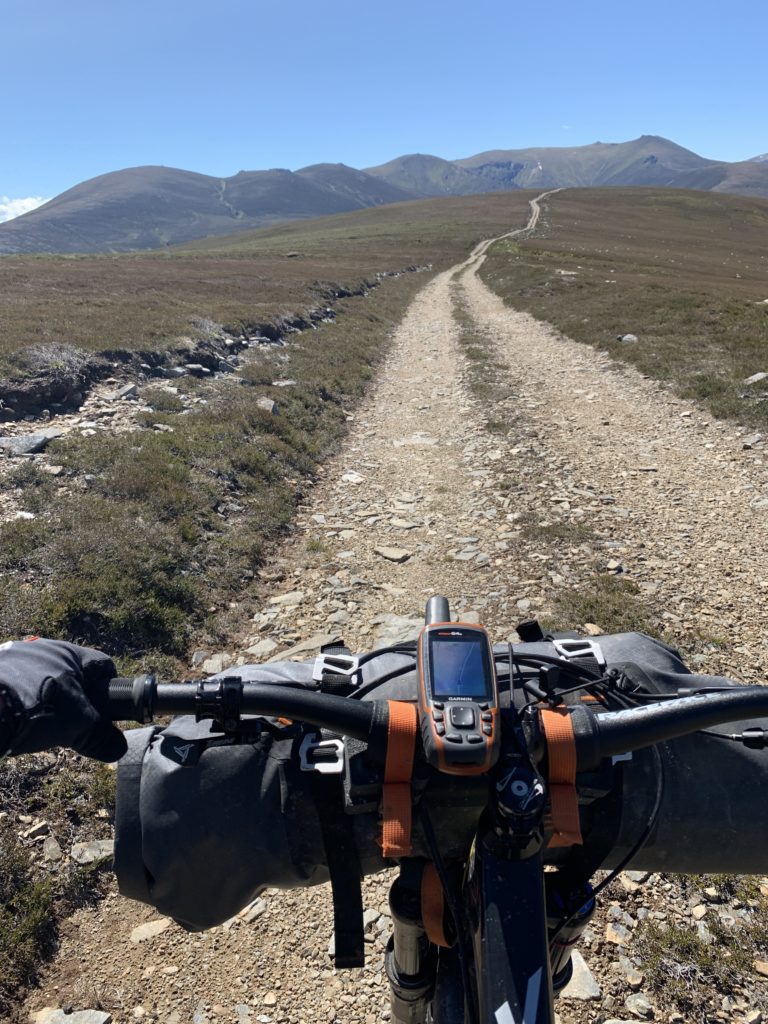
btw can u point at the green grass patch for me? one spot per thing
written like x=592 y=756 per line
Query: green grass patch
x=72 y=798
x=26 y=905
x=613 y=603
x=685 y=970
x=483 y=368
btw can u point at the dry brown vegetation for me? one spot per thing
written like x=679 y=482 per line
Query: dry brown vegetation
x=143 y=302
x=687 y=272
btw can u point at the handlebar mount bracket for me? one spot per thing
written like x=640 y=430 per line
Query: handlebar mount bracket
x=330 y=666
x=324 y=756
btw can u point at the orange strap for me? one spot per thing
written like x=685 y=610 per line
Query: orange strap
x=433 y=905
x=563 y=798
x=398 y=769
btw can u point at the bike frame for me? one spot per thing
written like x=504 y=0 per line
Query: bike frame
x=506 y=907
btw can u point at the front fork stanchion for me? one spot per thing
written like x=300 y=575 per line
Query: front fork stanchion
x=505 y=898
x=410 y=958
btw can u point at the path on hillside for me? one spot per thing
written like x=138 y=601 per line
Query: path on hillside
x=660 y=491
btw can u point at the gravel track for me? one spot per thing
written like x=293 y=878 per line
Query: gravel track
x=667 y=491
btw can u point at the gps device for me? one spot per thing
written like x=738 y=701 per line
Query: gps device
x=458 y=698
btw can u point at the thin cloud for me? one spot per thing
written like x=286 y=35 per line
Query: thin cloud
x=10 y=208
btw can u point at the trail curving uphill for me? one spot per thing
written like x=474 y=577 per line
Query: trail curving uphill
x=630 y=476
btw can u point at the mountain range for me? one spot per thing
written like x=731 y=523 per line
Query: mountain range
x=151 y=207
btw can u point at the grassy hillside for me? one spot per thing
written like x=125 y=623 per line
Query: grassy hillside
x=144 y=301
x=686 y=272
x=150 y=207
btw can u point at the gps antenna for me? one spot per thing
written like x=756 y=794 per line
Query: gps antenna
x=437 y=610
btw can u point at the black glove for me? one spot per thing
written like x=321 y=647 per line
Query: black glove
x=51 y=691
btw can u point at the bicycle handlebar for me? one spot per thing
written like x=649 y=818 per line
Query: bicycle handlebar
x=603 y=734
x=142 y=698
x=598 y=734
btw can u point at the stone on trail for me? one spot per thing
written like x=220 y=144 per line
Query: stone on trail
x=582 y=985
x=58 y=1016
x=309 y=646
x=51 y=850
x=398 y=555
x=253 y=910
x=632 y=976
x=150 y=930
x=127 y=391
x=289 y=600
x=268 y=406
x=464 y=556
x=617 y=934
x=93 y=852
x=756 y=378
x=352 y=478
x=262 y=649
x=395 y=629
x=217 y=663
x=639 y=1006
x=29 y=444
x=36 y=830
x=417 y=440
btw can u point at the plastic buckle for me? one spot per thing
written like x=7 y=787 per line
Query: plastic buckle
x=310 y=743
x=344 y=665
x=584 y=647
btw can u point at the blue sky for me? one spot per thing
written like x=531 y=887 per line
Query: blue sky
x=217 y=87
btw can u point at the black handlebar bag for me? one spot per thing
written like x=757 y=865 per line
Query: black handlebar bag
x=204 y=824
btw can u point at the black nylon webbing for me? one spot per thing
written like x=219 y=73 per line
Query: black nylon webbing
x=344 y=869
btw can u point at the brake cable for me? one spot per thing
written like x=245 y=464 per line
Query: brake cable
x=637 y=845
x=753 y=737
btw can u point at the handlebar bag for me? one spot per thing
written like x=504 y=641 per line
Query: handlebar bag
x=204 y=824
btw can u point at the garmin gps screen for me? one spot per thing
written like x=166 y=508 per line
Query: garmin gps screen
x=459 y=667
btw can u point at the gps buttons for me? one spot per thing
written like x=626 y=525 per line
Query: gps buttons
x=463 y=717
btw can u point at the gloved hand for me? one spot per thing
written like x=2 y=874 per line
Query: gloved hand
x=50 y=691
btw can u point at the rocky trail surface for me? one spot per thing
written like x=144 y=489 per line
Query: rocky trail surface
x=428 y=497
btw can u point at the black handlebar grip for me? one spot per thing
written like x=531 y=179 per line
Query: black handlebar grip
x=437 y=610
x=131 y=700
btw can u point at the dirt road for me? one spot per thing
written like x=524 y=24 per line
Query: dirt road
x=423 y=499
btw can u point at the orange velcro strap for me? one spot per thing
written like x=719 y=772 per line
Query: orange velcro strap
x=563 y=798
x=398 y=769
x=433 y=906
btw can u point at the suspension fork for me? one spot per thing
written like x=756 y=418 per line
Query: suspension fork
x=410 y=959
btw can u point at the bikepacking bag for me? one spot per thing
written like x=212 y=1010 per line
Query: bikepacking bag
x=204 y=824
